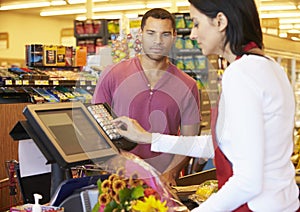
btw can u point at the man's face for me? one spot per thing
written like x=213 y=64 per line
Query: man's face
x=157 y=38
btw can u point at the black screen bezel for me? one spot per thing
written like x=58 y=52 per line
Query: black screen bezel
x=49 y=145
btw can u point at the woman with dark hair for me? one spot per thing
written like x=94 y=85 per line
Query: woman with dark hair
x=252 y=125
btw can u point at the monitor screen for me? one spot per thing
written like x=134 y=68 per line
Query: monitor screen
x=68 y=133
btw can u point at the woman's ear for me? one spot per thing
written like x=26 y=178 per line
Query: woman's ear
x=221 y=21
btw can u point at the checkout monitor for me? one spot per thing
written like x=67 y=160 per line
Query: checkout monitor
x=68 y=134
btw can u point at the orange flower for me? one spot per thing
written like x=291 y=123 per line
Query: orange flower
x=112 y=193
x=118 y=185
x=113 y=177
x=116 y=197
x=104 y=198
x=135 y=182
x=105 y=186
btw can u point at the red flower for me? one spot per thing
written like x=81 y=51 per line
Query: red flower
x=150 y=191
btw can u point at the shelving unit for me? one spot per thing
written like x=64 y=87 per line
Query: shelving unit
x=113 y=28
x=187 y=56
x=37 y=83
x=91 y=33
x=295 y=78
x=68 y=85
x=95 y=33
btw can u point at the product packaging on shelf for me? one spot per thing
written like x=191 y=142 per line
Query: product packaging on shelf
x=88 y=27
x=50 y=52
x=200 y=62
x=69 y=55
x=180 y=22
x=48 y=55
x=34 y=55
x=97 y=24
x=79 y=29
x=61 y=56
x=80 y=56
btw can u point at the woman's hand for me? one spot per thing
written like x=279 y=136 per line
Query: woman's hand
x=132 y=130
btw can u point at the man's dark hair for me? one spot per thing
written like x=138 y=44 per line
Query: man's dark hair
x=158 y=13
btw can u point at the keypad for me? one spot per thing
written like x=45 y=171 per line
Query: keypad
x=104 y=117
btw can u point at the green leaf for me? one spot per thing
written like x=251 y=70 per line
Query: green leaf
x=137 y=192
x=124 y=195
x=99 y=183
x=96 y=207
x=109 y=207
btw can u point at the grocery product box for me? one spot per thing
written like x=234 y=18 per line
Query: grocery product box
x=61 y=56
x=69 y=55
x=34 y=54
x=80 y=56
x=49 y=55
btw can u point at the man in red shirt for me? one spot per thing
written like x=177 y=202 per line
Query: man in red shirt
x=150 y=89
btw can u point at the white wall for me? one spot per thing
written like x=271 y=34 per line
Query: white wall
x=26 y=29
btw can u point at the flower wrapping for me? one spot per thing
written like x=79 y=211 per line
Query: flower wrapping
x=134 y=186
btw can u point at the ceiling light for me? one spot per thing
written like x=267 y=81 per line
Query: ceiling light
x=58 y=2
x=83 y=1
x=182 y=4
x=280 y=15
x=294 y=31
x=63 y=12
x=289 y=21
x=158 y=5
x=95 y=9
x=278 y=7
x=119 y=7
x=111 y=16
x=76 y=1
x=24 y=6
x=132 y=15
x=283 y=35
x=295 y=38
x=290 y=26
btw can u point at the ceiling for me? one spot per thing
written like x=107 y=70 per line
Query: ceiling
x=283 y=16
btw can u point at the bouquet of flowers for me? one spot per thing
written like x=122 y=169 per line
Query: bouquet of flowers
x=134 y=187
x=118 y=193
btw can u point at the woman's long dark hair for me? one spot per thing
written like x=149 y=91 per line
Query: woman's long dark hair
x=243 y=21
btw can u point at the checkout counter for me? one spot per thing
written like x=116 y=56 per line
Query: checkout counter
x=63 y=133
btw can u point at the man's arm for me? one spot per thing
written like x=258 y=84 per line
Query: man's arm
x=179 y=161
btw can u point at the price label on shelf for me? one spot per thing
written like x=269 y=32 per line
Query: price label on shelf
x=25 y=82
x=93 y=82
x=8 y=82
x=19 y=82
x=55 y=82
x=37 y=82
x=44 y=82
x=82 y=82
x=41 y=82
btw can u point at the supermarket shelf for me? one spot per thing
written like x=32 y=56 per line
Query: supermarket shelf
x=32 y=83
